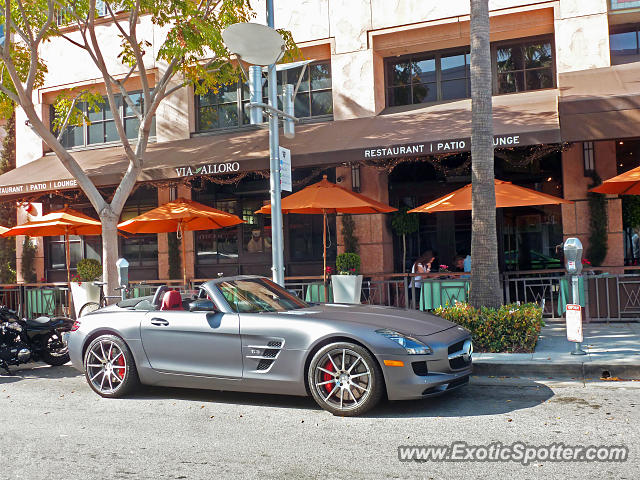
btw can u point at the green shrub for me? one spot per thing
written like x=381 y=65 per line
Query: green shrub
x=89 y=269
x=510 y=328
x=348 y=263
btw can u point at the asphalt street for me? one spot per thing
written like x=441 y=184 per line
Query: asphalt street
x=52 y=426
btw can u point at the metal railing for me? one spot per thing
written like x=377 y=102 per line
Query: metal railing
x=36 y=299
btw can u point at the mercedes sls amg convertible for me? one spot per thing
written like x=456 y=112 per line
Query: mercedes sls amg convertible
x=248 y=334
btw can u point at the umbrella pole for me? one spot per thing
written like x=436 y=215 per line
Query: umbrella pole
x=324 y=244
x=68 y=258
x=184 y=262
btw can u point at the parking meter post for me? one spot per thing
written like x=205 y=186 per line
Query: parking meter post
x=575 y=294
x=123 y=276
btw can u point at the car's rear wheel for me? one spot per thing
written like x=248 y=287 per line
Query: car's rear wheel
x=345 y=379
x=109 y=367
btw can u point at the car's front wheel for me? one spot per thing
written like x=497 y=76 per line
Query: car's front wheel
x=109 y=367
x=345 y=379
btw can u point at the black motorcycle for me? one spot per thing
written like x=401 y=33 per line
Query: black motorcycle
x=23 y=341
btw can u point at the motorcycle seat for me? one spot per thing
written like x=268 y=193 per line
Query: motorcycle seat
x=40 y=322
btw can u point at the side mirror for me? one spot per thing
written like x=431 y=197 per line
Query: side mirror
x=202 y=305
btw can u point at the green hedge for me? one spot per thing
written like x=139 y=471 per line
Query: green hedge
x=510 y=328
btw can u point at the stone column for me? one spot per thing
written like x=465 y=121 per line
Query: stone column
x=373 y=232
x=576 y=217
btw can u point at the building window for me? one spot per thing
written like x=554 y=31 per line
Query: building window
x=523 y=66
x=624 y=44
x=218 y=246
x=140 y=250
x=101 y=127
x=226 y=108
x=64 y=15
x=428 y=78
x=589 y=158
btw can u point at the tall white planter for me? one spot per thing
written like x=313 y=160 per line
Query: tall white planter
x=83 y=293
x=346 y=288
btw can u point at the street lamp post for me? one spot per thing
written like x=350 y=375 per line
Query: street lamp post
x=277 y=244
x=262 y=45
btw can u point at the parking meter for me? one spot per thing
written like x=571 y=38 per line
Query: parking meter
x=573 y=256
x=573 y=263
x=123 y=272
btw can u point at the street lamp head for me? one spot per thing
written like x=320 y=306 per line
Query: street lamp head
x=254 y=43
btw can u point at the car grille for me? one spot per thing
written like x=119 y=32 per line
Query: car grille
x=420 y=368
x=458 y=362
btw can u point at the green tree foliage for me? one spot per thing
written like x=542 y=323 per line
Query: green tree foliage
x=403 y=224
x=175 y=262
x=8 y=210
x=28 y=268
x=349 y=234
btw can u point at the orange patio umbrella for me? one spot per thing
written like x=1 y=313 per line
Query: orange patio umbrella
x=179 y=216
x=325 y=197
x=507 y=195
x=3 y=229
x=627 y=183
x=60 y=222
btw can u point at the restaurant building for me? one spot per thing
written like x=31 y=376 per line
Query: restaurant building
x=386 y=111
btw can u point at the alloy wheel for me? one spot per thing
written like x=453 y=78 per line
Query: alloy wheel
x=342 y=379
x=106 y=366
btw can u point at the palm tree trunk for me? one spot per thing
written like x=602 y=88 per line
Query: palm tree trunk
x=485 y=277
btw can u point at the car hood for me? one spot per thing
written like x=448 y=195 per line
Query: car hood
x=409 y=322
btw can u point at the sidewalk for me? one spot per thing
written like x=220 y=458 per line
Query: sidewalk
x=612 y=351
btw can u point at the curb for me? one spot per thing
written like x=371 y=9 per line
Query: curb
x=573 y=370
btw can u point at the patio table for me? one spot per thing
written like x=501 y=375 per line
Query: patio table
x=316 y=293
x=437 y=293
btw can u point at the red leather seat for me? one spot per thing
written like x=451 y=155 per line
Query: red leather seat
x=172 y=300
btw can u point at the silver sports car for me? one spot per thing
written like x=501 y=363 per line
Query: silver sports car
x=248 y=334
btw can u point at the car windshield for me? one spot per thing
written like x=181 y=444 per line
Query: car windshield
x=254 y=295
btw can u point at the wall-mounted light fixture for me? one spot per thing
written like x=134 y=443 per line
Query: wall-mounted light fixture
x=355 y=178
x=589 y=158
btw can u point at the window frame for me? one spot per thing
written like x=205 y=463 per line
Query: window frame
x=520 y=42
x=241 y=101
x=122 y=108
x=437 y=56
x=625 y=28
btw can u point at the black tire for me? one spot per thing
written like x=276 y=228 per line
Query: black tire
x=345 y=379
x=54 y=356
x=88 y=308
x=109 y=367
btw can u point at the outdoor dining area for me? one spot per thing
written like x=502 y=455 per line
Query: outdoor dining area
x=345 y=283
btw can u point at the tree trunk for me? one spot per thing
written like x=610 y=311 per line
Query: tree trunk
x=485 y=277
x=109 y=250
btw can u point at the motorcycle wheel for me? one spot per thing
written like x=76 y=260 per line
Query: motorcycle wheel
x=55 y=352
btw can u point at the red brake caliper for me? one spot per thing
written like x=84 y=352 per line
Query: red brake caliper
x=120 y=363
x=326 y=377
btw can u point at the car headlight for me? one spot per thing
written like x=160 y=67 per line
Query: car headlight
x=410 y=344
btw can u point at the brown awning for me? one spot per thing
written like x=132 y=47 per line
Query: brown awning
x=519 y=120
x=600 y=104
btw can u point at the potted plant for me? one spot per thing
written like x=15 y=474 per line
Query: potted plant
x=347 y=284
x=82 y=288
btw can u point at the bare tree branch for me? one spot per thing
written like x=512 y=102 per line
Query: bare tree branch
x=100 y=63
x=33 y=47
x=25 y=19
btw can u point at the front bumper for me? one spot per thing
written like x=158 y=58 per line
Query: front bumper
x=423 y=376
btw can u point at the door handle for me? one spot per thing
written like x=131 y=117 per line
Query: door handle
x=160 y=322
